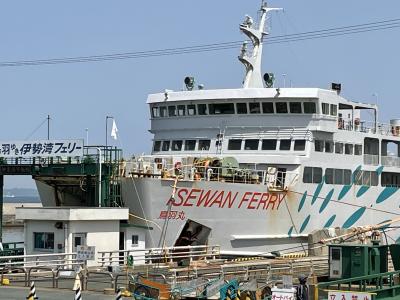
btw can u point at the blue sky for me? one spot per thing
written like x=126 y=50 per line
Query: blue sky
x=79 y=96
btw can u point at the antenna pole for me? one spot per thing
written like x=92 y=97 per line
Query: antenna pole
x=48 y=127
x=252 y=61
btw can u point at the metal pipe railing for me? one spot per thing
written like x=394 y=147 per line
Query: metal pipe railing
x=152 y=255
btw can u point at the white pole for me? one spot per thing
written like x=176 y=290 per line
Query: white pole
x=99 y=151
x=87 y=136
x=284 y=80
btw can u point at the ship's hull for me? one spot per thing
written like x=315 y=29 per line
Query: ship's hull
x=246 y=218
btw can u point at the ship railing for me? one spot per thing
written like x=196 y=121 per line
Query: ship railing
x=367 y=127
x=199 y=172
x=257 y=268
x=158 y=255
x=390 y=161
x=371 y=159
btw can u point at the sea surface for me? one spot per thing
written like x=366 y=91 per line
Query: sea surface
x=22 y=199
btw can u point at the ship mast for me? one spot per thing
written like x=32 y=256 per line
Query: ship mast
x=252 y=61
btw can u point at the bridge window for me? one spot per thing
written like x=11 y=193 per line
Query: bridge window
x=176 y=146
x=281 y=107
x=358 y=149
x=325 y=108
x=172 y=111
x=312 y=175
x=390 y=179
x=338 y=148
x=348 y=149
x=163 y=111
x=268 y=145
x=368 y=178
x=202 y=109
x=43 y=240
x=338 y=176
x=221 y=108
x=235 y=144
x=181 y=110
x=333 y=109
x=254 y=108
x=295 y=107
x=190 y=145
x=268 y=107
x=309 y=108
x=285 y=145
x=191 y=110
x=155 y=112
x=299 y=145
x=241 y=108
x=204 y=145
x=319 y=145
x=251 y=144
x=157 y=146
x=329 y=146
x=165 y=146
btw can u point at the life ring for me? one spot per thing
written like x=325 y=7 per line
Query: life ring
x=357 y=121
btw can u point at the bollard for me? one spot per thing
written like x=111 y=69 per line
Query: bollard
x=32 y=292
x=78 y=295
x=119 y=295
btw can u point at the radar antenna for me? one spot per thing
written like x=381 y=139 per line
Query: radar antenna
x=252 y=61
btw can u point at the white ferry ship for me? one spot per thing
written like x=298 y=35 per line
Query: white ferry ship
x=256 y=169
x=260 y=167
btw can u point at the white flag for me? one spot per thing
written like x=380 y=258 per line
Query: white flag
x=114 y=130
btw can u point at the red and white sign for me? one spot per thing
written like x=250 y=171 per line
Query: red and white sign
x=337 y=295
x=187 y=197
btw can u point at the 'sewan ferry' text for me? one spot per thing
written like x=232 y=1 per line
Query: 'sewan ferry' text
x=227 y=199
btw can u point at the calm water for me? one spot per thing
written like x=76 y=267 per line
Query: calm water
x=22 y=199
x=16 y=234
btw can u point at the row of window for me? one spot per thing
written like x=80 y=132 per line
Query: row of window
x=266 y=144
x=231 y=108
x=390 y=179
x=340 y=176
x=233 y=144
x=179 y=145
x=337 y=147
